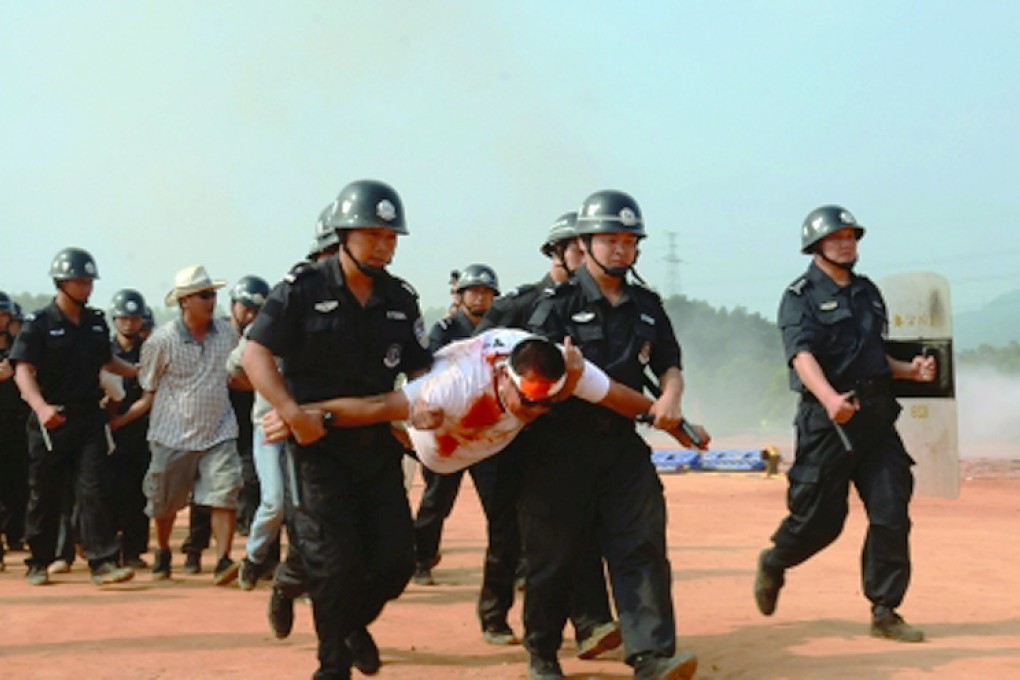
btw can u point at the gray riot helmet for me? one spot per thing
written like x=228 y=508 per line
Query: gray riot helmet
x=563 y=229
x=251 y=291
x=823 y=221
x=127 y=302
x=367 y=204
x=326 y=236
x=478 y=275
x=73 y=263
x=610 y=212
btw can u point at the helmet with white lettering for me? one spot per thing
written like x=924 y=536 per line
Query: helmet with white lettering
x=563 y=229
x=367 y=204
x=823 y=221
x=478 y=275
x=610 y=212
x=127 y=302
x=73 y=263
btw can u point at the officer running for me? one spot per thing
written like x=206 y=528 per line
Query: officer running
x=345 y=327
x=833 y=323
x=58 y=356
x=595 y=472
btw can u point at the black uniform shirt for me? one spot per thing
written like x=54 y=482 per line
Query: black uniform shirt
x=843 y=327
x=514 y=309
x=67 y=358
x=450 y=329
x=12 y=406
x=330 y=345
x=621 y=339
x=133 y=391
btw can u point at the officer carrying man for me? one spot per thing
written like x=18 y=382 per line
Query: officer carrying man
x=833 y=323
x=59 y=354
x=344 y=327
x=595 y=471
x=595 y=631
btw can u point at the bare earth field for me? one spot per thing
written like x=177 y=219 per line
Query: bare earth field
x=965 y=595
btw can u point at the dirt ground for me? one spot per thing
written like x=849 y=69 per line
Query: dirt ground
x=965 y=595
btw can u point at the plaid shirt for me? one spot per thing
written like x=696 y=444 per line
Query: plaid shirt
x=191 y=410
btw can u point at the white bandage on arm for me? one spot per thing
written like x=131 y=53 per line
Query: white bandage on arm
x=593 y=385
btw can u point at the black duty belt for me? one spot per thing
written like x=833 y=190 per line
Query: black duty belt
x=863 y=389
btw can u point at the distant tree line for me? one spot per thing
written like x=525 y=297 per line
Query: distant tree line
x=1005 y=359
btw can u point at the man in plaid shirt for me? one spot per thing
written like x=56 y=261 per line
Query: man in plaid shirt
x=192 y=428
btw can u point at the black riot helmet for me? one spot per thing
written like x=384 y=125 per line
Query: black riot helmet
x=367 y=204
x=16 y=314
x=73 y=263
x=148 y=319
x=326 y=236
x=478 y=275
x=823 y=221
x=610 y=212
x=127 y=302
x=250 y=291
x=563 y=229
x=5 y=303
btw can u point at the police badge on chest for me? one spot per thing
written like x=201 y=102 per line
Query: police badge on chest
x=392 y=357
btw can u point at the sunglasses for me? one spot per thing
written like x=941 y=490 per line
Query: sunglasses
x=206 y=294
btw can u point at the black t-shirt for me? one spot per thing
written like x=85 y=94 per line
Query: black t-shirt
x=842 y=326
x=330 y=345
x=67 y=358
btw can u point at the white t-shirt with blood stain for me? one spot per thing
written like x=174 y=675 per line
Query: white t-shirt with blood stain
x=475 y=426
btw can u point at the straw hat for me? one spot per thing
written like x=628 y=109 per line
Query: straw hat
x=191 y=280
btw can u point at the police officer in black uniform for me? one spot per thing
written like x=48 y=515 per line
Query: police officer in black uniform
x=833 y=323
x=593 y=472
x=590 y=613
x=13 y=442
x=476 y=287
x=58 y=355
x=513 y=309
x=130 y=424
x=345 y=327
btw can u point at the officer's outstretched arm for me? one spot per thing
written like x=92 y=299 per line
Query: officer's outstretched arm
x=361 y=411
x=630 y=403
x=261 y=370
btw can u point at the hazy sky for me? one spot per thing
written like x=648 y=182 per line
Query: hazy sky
x=158 y=135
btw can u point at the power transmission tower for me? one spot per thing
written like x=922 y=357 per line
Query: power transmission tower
x=673 y=263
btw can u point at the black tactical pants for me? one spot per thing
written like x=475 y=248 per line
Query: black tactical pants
x=129 y=463
x=76 y=458
x=880 y=470
x=13 y=479
x=578 y=484
x=352 y=527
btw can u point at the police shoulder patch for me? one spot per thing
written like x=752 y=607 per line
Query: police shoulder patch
x=298 y=270
x=520 y=290
x=797 y=287
x=407 y=286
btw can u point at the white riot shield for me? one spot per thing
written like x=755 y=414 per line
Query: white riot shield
x=920 y=322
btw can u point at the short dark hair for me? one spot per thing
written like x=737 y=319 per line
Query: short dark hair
x=539 y=355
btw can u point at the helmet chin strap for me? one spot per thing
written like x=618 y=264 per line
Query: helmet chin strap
x=367 y=270
x=615 y=272
x=80 y=303
x=847 y=266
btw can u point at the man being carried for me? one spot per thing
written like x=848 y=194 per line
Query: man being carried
x=479 y=394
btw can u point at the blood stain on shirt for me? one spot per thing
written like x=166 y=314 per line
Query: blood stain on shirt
x=483 y=413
